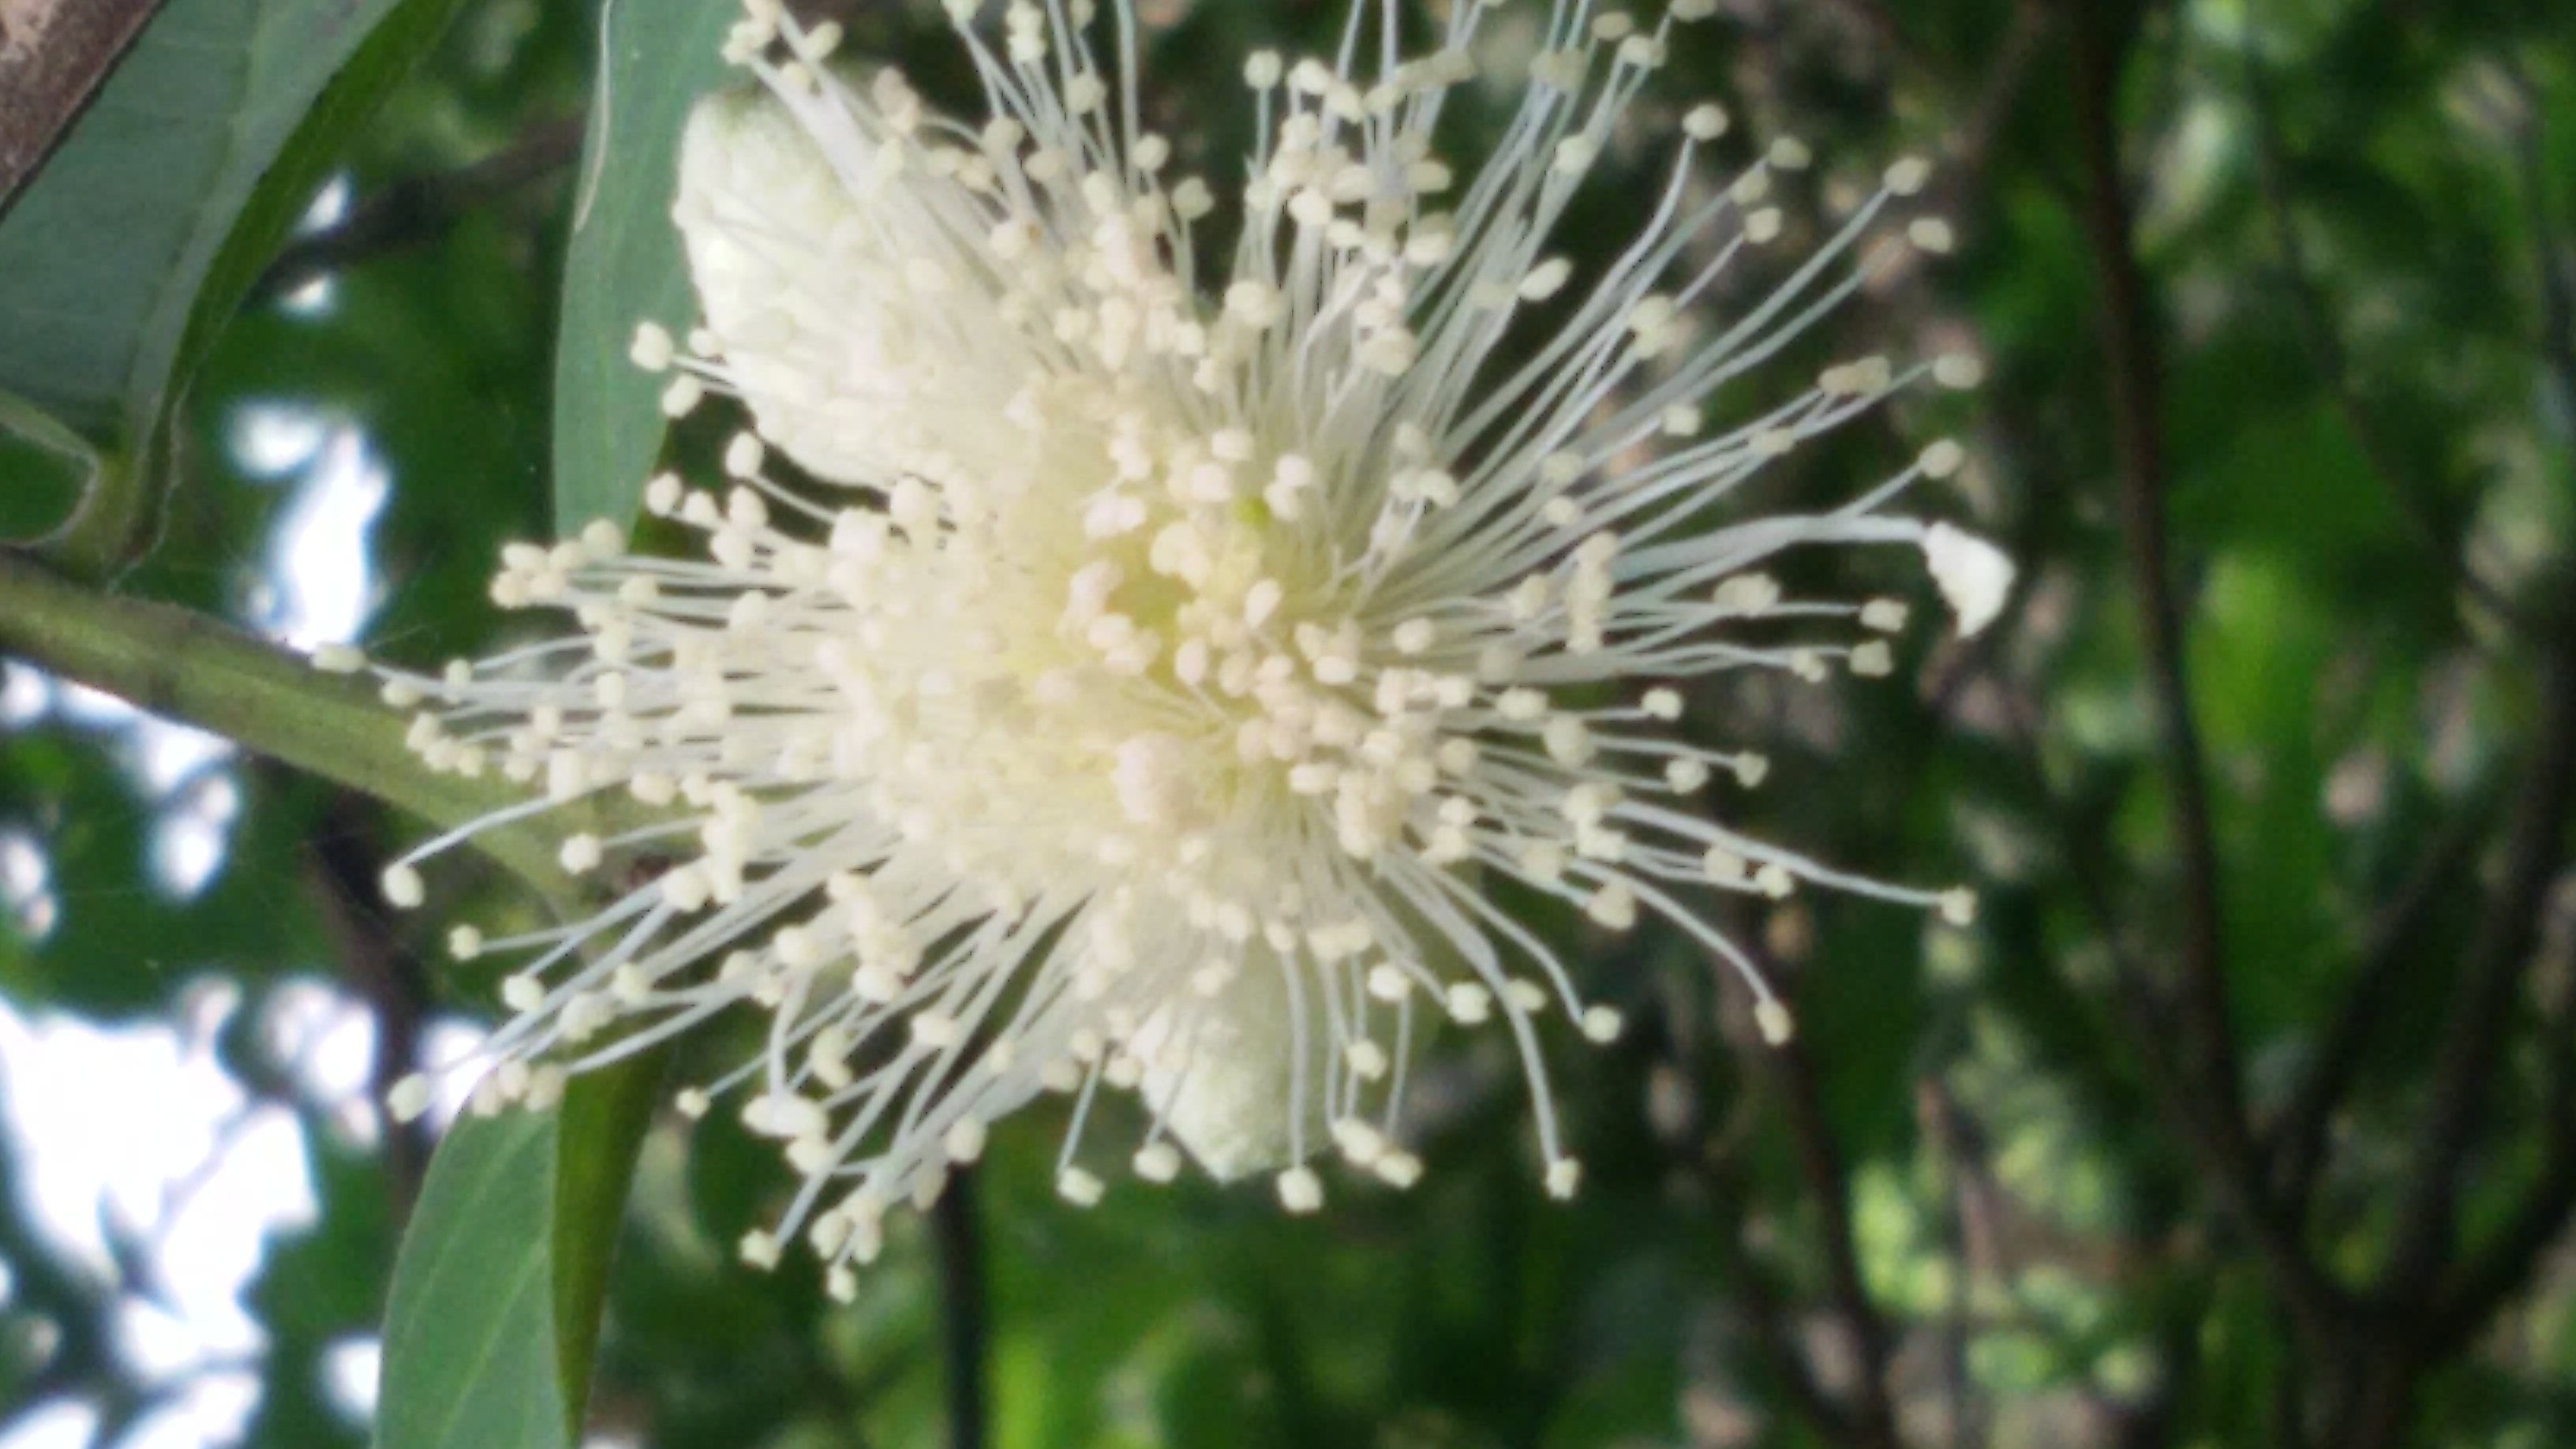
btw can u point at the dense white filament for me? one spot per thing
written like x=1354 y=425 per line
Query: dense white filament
x=1172 y=664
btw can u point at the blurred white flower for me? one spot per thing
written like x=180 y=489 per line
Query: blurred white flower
x=1180 y=656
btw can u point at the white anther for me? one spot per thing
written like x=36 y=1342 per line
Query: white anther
x=1564 y=1175
x=1469 y=1004
x=1545 y=280
x=652 y=349
x=1157 y=1162
x=410 y=1098
x=1300 y=1190
x=403 y=887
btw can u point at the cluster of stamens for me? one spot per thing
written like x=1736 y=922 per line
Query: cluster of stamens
x=1162 y=666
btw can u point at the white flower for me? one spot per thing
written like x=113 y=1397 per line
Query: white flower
x=1173 y=655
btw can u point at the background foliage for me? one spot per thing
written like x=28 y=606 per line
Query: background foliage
x=2245 y=1115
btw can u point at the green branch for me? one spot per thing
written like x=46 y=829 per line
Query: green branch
x=195 y=669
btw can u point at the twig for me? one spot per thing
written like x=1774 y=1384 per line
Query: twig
x=1764 y=1314
x=2082 y=854
x=416 y=210
x=2482 y=1003
x=2202 y=1094
x=1820 y=1162
x=2296 y=1142
x=1718 y=1162
x=2314 y=1300
x=1969 y=1231
x=2016 y=57
x=1871 y=1419
x=2557 y=291
x=2137 y=408
x=961 y=1280
x=2502 y=1267
x=342 y=865
x=196 y=669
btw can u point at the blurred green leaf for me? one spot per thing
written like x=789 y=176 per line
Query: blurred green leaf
x=470 y=1334
x=124 y=259
x=624 y=265
x=605 y=1115
x=497 y=1295
x=122 y=940
x=45 y=468
x=101 y=258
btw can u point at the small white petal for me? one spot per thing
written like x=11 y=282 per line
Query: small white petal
x=1974 y=576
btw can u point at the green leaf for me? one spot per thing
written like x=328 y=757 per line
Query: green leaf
x=102 y=256
x=470 y=1332
x=605 y=1115
x=46 y=469
x=497 y=1297
x=624 y=264
x=397 y=36
x=121 y=263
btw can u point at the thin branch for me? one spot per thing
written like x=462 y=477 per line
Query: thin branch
x=1870 y=1419
x=2557 y=289
x=2297 y=1140
x=1765 y=1315
x=194 y=668
x=1973 y=1240
x=2314 y=1299
x=1820 y=1165
x=1717 y=1161
x=2015 y=59
x=343 y=862
x=2199 y=1086
x=2137 y=417
x=2503 y=1266
x=2289 y=1411
x=961 y=1282
x=417 y=210
x=2491 y=978
x=2083 y=856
